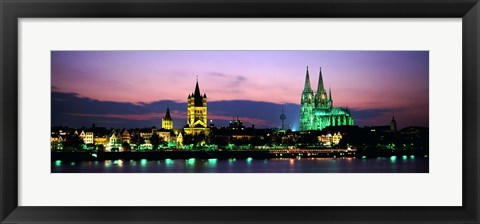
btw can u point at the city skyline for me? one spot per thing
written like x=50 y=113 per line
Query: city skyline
x=134 y=88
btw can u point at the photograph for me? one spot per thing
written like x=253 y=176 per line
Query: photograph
x=239 y=111
x=281 y=111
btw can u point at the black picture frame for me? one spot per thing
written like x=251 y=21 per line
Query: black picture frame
x=11 y=11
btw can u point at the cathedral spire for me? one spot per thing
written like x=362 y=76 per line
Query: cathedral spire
x=307 y=87
x=320 y=82
x=329 y=93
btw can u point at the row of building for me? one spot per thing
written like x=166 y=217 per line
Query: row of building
x=129 y=139
x=116 y=139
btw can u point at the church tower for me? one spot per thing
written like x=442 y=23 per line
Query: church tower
x=321 y=100
x=167 y=122
x=307 y=105
x=196 y=112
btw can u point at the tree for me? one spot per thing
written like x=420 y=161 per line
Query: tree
x=100 y=147
x=220 y=140
x=156 y=140
x=137 y=140
x=308 y=139
x=126 y=146
x=90 y=146
x=195 y=140
x=73 y=142
x=188 y=139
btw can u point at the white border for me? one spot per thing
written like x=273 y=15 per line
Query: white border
x=441 y=187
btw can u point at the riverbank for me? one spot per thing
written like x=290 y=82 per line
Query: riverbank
x=256 y=154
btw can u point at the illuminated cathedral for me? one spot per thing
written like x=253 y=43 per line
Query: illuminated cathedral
x=317 y=111
x=196 y=113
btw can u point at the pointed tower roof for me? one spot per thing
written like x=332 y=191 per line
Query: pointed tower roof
x=320 y=87
x=198 y=99
x=167 y=115
x=307 y=87
x=197 y=91
x=329 y=93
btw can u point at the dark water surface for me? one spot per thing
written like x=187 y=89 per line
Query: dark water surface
x=394 y=164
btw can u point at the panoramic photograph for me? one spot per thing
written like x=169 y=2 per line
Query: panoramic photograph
x=239 y=111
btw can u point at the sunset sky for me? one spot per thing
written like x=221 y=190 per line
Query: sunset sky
x=133 y=88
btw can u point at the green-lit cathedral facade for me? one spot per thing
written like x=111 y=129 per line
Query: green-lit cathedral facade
x=316 y=108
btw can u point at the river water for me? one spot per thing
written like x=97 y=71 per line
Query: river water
x=394 y=164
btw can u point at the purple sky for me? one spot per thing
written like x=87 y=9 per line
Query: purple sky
x=391 y=81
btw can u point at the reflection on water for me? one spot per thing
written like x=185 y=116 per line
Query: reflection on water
x=394 y=164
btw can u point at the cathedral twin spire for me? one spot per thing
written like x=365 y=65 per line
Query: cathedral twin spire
x=307 y=87
x=320 y=88
x=316 y=109
x=320 y=82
